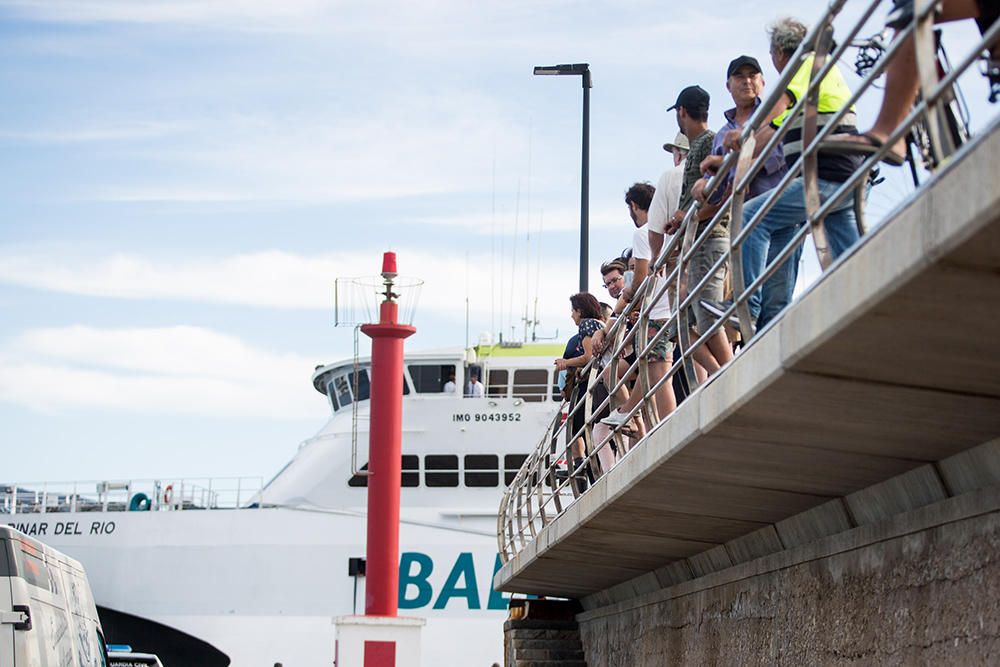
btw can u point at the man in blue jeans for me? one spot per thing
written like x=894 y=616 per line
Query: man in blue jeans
x=779 y=225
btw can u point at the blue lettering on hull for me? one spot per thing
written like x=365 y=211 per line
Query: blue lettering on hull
x=460 y=589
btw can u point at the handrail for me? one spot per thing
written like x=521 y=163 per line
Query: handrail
x=550 y=480
x=164 y=494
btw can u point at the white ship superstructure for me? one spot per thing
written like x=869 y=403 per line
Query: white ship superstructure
x=243 y=573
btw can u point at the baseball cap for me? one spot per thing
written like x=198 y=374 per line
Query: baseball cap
x=740 y=62
x=692 y=97
x=679 y=142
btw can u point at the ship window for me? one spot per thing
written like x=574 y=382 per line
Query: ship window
x=482 y=470
x=342 y=388
x=441 y=470
x=531 y=384
x=497 y=383
x=430 y=378
x=332 y=395
x=364 y=385
x=511 y=464
x=409 y=462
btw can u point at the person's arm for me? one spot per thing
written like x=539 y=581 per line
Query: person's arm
x=710 y=164
x=655 y=243
x=640 y=273
x=577 y=362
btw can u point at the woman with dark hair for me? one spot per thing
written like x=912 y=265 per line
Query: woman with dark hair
x=586 y=314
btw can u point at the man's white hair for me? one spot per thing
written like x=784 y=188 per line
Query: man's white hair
x=786 y=34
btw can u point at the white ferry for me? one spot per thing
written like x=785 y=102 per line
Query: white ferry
x=236 y=572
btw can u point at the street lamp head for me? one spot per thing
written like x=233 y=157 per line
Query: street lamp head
x=562 y=70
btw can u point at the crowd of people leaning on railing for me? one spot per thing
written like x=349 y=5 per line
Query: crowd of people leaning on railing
x=698 y=274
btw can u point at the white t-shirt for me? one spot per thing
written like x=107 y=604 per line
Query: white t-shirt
x=641 y=250
x=449 y=387
x=666 y=199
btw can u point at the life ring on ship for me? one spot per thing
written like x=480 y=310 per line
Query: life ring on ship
x=168 y=494
x=140 y=503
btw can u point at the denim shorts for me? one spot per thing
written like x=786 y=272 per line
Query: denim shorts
x=663 y=349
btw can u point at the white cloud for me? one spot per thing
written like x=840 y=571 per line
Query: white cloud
x=172 y=370
x=403 y=143
x=235 y=14
x=285 y=280
x=125 y=131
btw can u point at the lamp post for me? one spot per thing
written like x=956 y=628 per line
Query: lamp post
x=583 y=71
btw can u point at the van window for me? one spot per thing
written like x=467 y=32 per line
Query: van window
x=409 y=462
x=7 y=568
x=441 y=470
x=430 y=378
x=531 y=384
x=497 y=384
x=482 y=470
x=30 y=565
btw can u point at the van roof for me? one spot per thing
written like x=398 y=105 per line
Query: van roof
x=11 y=533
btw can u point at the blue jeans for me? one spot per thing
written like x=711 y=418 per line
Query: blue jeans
x=775 y=231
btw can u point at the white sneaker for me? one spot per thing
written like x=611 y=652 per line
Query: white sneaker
x=616 y=418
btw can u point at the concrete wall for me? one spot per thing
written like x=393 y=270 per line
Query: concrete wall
x=922 y=587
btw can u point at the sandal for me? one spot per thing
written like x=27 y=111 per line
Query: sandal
x=864 y=144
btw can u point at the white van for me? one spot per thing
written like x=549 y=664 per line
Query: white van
x=47 y=611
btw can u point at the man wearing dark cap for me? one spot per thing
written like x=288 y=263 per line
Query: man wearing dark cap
x=692 y=117
x=745 y=82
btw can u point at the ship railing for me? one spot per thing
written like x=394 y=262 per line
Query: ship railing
x=549 y=481
x=159 y=495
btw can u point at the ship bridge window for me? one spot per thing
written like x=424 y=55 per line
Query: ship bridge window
x=364 y=391
x=342 y=390
x=531 y=384
x=441 y=470
x=431 y=378
x=409 y=477
x=496 y=383
x=482 y=470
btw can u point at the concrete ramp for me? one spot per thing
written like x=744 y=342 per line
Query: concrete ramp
x=845 y=410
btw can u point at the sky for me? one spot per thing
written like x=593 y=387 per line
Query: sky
x=184 y=181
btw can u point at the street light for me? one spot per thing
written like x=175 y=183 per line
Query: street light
x=583 y=71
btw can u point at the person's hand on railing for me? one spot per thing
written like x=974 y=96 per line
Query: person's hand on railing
x=561 y=364
x=733 y=140
x=710 y=164
x=698 y=190
x=674 y=223
x=598 y=341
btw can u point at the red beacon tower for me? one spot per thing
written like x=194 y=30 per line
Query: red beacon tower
x=385 y=450
x=380 y=638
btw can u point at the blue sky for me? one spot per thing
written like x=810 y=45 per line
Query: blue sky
x=184 y=180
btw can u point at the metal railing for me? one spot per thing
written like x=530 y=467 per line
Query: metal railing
x=132 y=495
x=550 y=479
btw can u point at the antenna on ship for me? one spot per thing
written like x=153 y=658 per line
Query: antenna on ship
x=363 y=639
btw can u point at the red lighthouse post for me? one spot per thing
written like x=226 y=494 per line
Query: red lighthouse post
x=384 y=458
